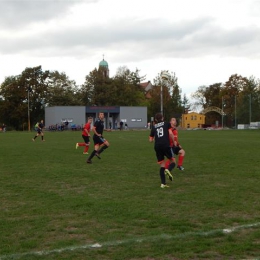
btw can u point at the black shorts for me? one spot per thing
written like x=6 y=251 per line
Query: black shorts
x=86 y=139
x=176 y=149
x=98 y=139
x=163 y=151
x=39 y=130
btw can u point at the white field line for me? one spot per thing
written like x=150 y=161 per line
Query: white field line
x=133 y=240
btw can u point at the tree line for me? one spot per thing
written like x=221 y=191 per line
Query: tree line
x=26 y=95
x=239 y=97
x=34 y=89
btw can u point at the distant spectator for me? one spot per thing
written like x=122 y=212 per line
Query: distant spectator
x=121 y=125
x=4 y=128
x=126 y=126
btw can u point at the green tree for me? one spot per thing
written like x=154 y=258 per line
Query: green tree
x=122 y=90
x=171 y=97
x=23 y=97
x=127 y=87
x=62 y=91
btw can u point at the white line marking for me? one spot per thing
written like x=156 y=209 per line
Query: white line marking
x=139 y=240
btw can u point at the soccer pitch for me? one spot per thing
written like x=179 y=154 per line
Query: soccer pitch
x=55 y=206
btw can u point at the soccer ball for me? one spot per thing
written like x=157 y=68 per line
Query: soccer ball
x=165 y=75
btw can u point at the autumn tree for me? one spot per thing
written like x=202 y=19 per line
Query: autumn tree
x=232 y=96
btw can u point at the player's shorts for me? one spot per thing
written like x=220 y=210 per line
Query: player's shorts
x=86 y=139
x=98 y=139
x=176 y=149
x=163 y=151
x=39 y=130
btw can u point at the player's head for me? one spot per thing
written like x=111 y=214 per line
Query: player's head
x=173 y=122
x=158 y=118
x=90 y=119
x=101 y=115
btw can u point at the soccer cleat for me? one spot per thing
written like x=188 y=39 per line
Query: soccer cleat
x=167 y=172
x=164 y=186
x=98 y=156
x=85 y=153
x=89 y=161
x=180 y=168
x=77 y=145
x=33 y=140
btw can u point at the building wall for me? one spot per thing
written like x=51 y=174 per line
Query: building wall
x=135 y=117
x=192 y=120
x=58 y=114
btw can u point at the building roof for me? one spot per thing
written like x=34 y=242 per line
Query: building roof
x=103 y=63
x=146 y=85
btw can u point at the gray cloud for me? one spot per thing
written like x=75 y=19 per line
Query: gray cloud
x=18 y=14
x=141 y=39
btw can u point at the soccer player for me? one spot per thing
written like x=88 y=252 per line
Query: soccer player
x=39 y=129
x=100 y=143
x=86 y=136
x=160 y=134
x=176 y=147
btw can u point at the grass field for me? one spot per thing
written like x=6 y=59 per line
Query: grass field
x=55 y=206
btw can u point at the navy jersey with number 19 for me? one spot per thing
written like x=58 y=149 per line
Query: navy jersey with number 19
x=160 y=132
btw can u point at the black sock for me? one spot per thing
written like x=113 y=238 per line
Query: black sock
x=35 y=137
x=102 y=149
x=162 y=175
x=171 y=166
x=92 y=155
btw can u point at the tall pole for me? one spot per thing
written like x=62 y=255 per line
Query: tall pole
x=29 y=121
x=222 y=112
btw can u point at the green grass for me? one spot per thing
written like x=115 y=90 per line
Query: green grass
x=55 y=206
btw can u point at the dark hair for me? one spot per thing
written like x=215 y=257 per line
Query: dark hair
x=158 y=117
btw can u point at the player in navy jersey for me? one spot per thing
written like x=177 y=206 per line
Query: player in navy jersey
x=100 y=143
x=160 y=134
x=39 y=130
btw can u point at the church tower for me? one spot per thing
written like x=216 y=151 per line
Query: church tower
x=104 y=66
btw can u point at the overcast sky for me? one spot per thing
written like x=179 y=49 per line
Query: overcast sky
x=202 y=41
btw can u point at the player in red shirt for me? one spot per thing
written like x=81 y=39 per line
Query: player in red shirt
x=176 y=147
x=85 y=136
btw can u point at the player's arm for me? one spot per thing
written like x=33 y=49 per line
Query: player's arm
x=95 y=132
x=151 y=136
x=86 y=131
x=171 y=134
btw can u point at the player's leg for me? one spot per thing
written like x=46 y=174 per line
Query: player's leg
x=96 y=147
x=169 y=153
x=181 y=159
x=104 y=146
x=42 y=135
x=160 y=160
x=37 y=134
x=86 y=139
